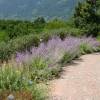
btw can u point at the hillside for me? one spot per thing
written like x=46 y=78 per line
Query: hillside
x=28 y=9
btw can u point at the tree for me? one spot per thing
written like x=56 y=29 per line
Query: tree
x=87 y=18
x=39 y=20
x=39 y=24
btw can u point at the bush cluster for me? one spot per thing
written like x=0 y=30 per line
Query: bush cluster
x=19 y=83
x=7 y=50
x=87 y=17
x=19 y=79
x=28 y=70
x=11 y=29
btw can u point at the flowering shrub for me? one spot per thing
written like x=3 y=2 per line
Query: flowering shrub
x=42 y=60
x=55 y=50
x=42 y=64
x=7 y=50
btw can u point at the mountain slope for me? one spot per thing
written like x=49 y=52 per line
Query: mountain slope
x=28 y=9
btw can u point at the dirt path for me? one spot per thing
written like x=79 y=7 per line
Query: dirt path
x=79 y=81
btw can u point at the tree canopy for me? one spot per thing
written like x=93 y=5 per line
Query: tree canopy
x=87 y=16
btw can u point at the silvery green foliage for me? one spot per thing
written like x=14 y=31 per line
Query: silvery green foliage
x=54 y=50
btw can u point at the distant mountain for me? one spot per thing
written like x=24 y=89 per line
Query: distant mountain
x=28 y=9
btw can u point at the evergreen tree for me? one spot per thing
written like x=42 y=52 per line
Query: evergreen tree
x=39 y=24
x=39 y=21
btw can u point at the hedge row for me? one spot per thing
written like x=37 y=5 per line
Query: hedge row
x=7 y=50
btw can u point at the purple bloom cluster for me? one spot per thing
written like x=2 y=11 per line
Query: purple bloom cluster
x=54 y=49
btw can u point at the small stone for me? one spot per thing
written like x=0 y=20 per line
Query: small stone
x=10 y=97
x=30 y=82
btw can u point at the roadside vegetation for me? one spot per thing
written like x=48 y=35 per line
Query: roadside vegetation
x=31 y=53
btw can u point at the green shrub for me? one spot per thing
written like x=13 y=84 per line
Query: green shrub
x=85 y=48
x=63 y=32
x=55 y=24
x=18 y=80
x=18 y=44
x=46 y=36
x=67 y=58
x=44 y=74
x=39 y=63
x=11 y=79
x=40 y=92
x=86 y=17
x=5 y=51
x=3 y=36
x=25 y=42
x=15 y=28
x=39 y=24
x=39 y=70
x=98 y=37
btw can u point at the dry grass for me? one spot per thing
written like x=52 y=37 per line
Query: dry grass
x=18 y=95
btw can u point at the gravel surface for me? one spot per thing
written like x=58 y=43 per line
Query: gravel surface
x=79 y=81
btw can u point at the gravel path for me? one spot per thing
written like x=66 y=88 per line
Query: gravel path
x=79 y=81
